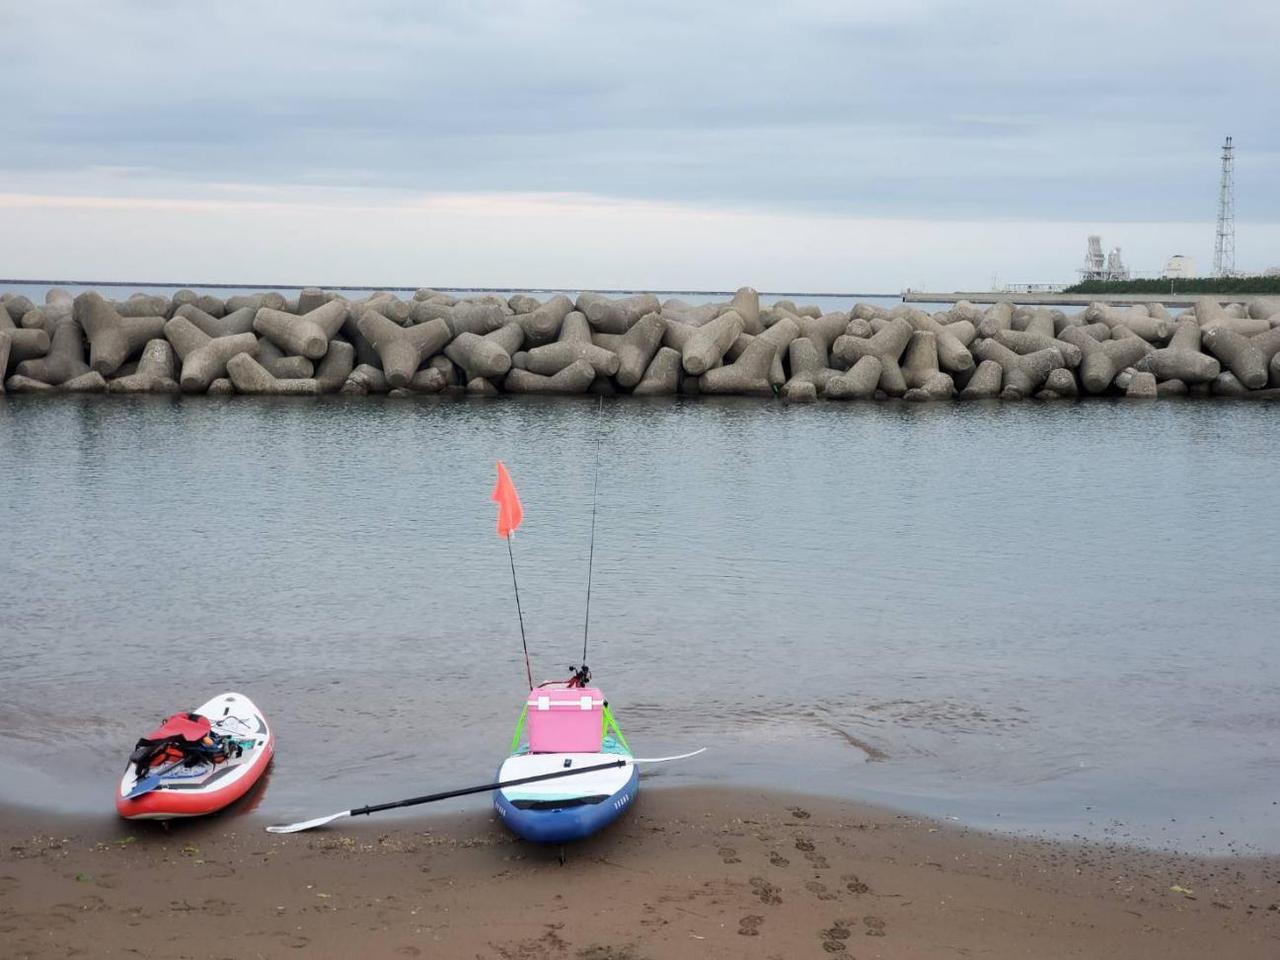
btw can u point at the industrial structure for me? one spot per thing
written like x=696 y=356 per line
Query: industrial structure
x=1224 y=242
x=1099 y=267
x=1179 y=267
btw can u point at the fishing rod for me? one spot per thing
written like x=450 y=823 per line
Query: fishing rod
x=591 y=553
x=465 y=791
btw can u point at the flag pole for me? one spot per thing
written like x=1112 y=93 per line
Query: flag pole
x=516 y=584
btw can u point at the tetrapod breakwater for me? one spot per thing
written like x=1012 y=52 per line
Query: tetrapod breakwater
x=436 y=343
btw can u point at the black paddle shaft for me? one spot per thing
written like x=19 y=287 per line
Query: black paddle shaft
x=485 y=788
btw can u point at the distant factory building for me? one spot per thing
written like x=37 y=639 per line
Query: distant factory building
x=1100 y=267
x=1179 y=267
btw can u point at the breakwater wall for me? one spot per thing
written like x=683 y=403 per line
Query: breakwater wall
x=436 y=343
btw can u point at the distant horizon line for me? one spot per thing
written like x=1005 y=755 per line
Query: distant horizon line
x=303 y=286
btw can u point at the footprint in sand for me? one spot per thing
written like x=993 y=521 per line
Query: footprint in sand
x=834 y=937
x=875 y=926
x=805 y=846
x=766 y=891
x=749 y=926
x=778 y=860
x=800 y=813
x=729 y=855
x=854 y=885
x=819 y=889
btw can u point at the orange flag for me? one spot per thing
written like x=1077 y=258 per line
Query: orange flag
x=510 y=513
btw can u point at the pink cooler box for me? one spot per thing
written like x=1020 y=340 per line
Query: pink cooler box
x=565 y=720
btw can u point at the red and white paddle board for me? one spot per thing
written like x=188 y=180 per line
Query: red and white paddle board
x=192 y=791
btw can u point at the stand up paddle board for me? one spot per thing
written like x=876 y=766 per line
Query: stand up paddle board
x=196 y=763
x=567 y=727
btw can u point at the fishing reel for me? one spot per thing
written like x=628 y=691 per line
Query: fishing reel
x=581 y=675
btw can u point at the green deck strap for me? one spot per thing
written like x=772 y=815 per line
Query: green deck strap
x=612 y=724
x=515 y=740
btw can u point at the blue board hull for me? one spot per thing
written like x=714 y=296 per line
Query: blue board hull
x=562 y=824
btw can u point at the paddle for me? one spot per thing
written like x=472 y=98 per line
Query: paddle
x=482 y=788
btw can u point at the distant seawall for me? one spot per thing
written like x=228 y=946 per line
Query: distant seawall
x=436 y=343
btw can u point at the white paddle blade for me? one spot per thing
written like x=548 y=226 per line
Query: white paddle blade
x=308 y=824
x=682 y=756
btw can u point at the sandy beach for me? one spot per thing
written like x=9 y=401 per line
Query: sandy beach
x=691 y=872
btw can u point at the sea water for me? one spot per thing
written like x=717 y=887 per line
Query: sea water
x=1057 y=618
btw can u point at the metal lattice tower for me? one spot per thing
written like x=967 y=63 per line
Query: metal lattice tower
x=1224 y=243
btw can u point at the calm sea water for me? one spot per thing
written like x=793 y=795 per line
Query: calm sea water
x=1053 y=618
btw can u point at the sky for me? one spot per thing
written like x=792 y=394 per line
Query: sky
x=815 y=145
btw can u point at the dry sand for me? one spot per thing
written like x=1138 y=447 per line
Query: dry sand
x=687 y=873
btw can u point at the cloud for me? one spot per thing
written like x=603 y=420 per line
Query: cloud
x=928 y=109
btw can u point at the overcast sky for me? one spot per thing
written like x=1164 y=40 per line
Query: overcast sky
x=842 y=146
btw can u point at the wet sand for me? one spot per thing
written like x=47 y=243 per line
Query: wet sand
x=690 y=872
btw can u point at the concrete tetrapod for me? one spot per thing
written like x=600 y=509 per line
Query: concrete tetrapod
x=551 y=358
x=1264 y=308
x=1102 y=361
x=228 y=325
x=986 y=382
x=20 y=384
x=113 y=339
x=886 y=345
x=23 y=344
x=616 y=316
x=952 y=352
x=575 y=378
x=339 y=360
x=1024 y=342
x=746 y=376
x=809 y=365
x=823 y=331
x=255 y=301
x=366 y=378
x=698 y=316
x=746 y=304
x=91 y=382
x=204 y=358
x=939 y=386
x=391 y=307
x=403 y=349
x=662 y=377
x=523 y=303
x=278 y=365
x=143 y=305
x=306 y=336
x=251 y=377
x=1226 y=384
x=920 y=362
x=17 y=305
x=1238 y=354
x=858 y=382
x=542 y=324
x=155 y=374
x=64 y=360
x=781 y=335
x=1181 y=359
x=636 y=348
x=1061 y=383
x=1134 y=318
x=1142 y=386
x=999 y=316
x=799 y=391
x=708 y=344
x=480 y=356
x=1023 y=374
